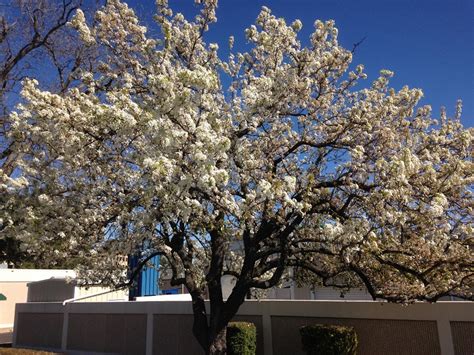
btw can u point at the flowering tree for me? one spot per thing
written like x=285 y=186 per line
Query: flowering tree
x=289 y=165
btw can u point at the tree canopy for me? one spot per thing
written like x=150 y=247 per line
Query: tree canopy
x=273 y=158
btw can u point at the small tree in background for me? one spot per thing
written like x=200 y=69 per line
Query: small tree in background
x=290 y=165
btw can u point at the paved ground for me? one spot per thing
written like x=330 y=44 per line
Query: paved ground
x=6 y=336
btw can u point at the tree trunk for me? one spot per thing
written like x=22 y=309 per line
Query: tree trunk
x=220 y=318
x=218 y=343
x=211 y=332
x=200 y=326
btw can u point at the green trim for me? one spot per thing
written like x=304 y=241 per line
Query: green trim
x=3 y=297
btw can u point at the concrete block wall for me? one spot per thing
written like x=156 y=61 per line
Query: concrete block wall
x=444 y=328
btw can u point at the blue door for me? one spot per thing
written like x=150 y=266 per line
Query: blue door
x=147 y=282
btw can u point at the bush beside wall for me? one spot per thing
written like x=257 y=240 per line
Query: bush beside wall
x=323 y=339
x=241 y=338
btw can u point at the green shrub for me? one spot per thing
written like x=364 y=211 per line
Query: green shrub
x=241 y=338
x=323 y=339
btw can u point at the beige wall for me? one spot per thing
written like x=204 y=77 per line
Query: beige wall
x=463 y=336
x=48 y=291
x=13 y=284
x=107 y=333
x=15 y=292
x=44 y=329
x=376 y=336
x=166 y=326
x=444 y=328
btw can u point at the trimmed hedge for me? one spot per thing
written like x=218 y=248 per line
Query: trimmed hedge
x=324 y=339
x=241 y=338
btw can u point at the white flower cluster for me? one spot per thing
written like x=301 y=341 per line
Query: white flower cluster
x=79 y=23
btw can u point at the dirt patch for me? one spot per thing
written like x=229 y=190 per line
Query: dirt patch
x=12 y=351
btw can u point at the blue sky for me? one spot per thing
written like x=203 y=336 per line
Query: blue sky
x=427 y=43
